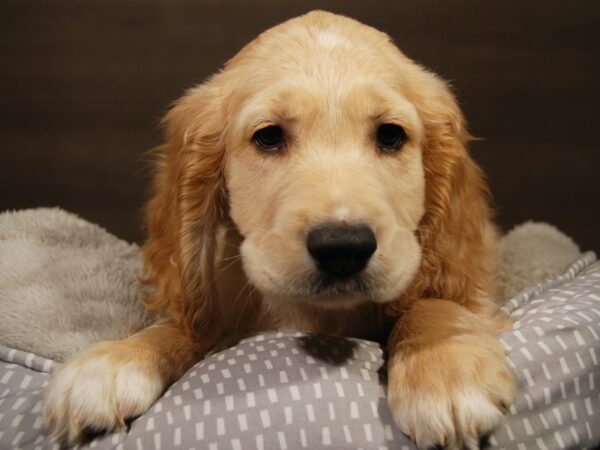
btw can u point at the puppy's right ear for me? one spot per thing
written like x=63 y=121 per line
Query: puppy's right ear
x=187 y=205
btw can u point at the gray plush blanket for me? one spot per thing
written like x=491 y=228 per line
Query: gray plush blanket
x=65 y=283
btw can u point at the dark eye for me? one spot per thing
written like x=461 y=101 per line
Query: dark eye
x=269 y=139
x=390 y=137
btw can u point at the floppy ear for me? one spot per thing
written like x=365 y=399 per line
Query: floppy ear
x=187 y=206
x=455 y=232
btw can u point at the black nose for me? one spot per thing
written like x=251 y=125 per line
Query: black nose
x=341 y=250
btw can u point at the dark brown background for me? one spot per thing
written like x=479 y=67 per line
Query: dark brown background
x=83 y=84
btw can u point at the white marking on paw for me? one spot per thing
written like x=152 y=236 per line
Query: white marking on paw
x=97 y=392
x=475 y=414
x=455 y=422
x=135 y=391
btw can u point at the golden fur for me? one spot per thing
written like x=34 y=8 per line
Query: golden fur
x=227 y=229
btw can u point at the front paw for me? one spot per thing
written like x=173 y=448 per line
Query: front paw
x=98 y=390
x=450 y=393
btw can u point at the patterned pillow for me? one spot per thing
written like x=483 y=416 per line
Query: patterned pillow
x=291 y=390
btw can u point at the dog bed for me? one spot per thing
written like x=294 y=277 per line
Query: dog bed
x=67 y=283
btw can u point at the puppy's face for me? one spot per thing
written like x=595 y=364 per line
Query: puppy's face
x=324 y=167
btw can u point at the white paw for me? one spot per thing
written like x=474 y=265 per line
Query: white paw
x=454 y=422
x=97 y=391
x=451 y=393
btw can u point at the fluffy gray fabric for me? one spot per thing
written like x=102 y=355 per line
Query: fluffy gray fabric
x=531 y=253
x=66 y=283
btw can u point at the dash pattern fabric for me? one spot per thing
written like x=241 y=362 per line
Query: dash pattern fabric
x=554 y=349
x=293 y=391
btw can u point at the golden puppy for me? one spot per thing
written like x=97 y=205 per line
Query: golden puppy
x=321 y=183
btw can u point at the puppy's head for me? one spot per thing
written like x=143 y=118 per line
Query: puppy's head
x=319 y=140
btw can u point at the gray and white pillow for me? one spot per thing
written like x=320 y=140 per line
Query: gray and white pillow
x=292 y=390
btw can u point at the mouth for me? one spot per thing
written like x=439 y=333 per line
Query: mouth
x=323 y=285
x=329 y=292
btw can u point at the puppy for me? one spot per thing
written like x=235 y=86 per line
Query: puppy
x=320 y=182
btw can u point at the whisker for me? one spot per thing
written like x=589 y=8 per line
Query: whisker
x=245 y=305
x=230 y=258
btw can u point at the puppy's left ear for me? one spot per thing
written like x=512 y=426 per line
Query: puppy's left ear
x=455 y=233
x=187 y=207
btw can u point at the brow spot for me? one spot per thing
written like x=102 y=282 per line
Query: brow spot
x=330 y=39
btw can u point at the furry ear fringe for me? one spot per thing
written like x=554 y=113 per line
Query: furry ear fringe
x=455 y=233
x=183 y=214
